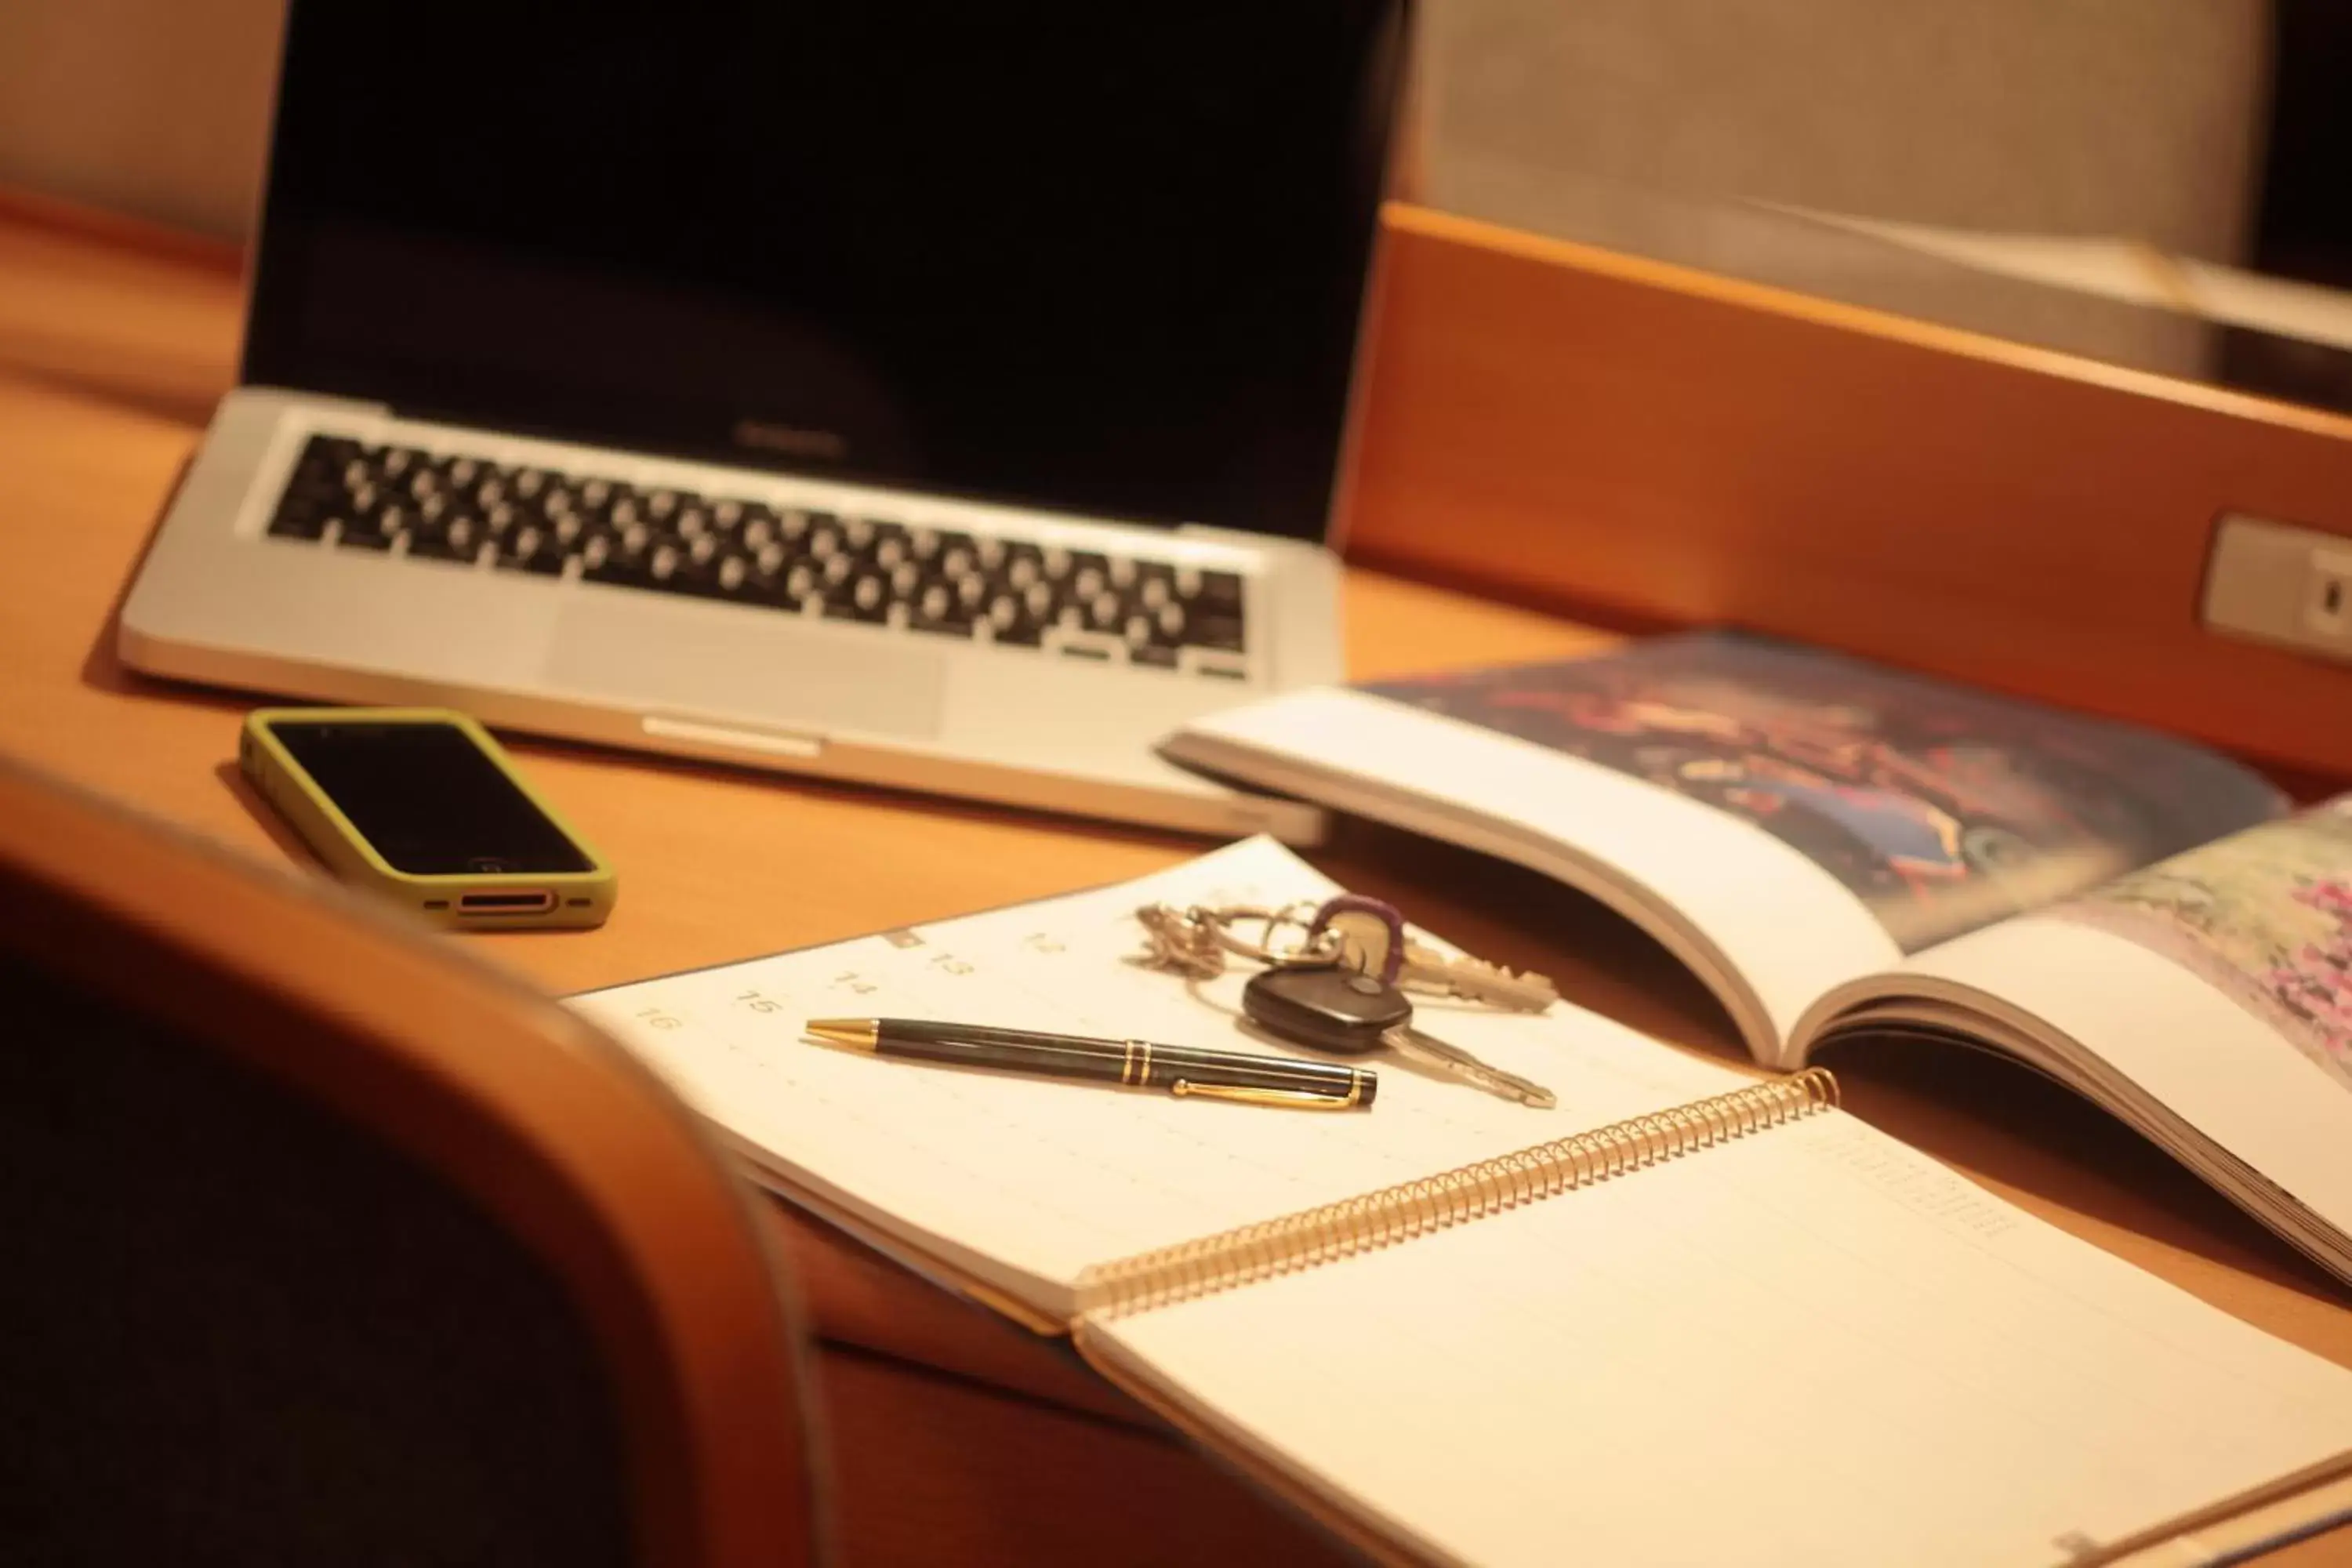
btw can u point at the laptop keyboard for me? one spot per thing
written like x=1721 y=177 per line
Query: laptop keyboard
x=348 y=495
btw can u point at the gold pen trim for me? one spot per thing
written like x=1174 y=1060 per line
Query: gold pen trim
x=1291 y=1098
x=857 y=1033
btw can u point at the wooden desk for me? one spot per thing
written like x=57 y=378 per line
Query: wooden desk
x=954 y=1433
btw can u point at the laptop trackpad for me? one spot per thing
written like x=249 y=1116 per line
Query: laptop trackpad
x=696 y=658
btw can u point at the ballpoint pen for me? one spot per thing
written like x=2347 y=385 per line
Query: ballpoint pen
x=1138 y=1064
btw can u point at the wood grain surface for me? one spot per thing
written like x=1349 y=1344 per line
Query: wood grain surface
x=110 y=355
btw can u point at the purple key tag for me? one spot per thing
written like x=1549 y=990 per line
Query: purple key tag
x=1355 y=910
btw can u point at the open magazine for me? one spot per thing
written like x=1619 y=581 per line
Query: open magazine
x=1841 y=851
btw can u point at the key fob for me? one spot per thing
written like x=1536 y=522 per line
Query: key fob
x=1333 y=1009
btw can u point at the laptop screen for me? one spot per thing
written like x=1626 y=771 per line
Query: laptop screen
x=1096 y=257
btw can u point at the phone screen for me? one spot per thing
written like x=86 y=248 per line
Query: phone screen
x=428 y=800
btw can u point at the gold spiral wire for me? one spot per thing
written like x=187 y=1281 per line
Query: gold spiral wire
x=1398 y=1214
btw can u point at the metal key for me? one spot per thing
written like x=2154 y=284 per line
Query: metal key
x=1373 y=939
x=1346 y=1013
x=1426 y=968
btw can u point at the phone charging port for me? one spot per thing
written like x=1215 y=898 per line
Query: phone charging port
x=505 y=903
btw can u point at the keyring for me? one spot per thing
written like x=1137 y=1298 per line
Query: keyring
x=1320 y=947
x=1195 y=940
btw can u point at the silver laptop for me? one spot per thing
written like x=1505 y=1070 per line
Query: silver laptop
x=938 y=395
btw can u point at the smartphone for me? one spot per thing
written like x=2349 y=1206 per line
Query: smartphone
x=421 y=805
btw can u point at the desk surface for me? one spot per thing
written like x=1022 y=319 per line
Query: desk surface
x=110 y=355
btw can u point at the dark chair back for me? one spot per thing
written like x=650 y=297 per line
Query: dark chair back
x=325 y=1245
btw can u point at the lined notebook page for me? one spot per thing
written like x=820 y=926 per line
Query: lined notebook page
x=1810 y=1346
x=1025 y=1182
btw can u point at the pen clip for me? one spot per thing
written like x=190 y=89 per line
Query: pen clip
x=1291 y=1098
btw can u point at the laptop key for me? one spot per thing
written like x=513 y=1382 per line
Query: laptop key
x=1215 y=630
x=530 y=548
x=313 y=489
x=300 y=519
x=327 y=452
x=732 y=576
x=892 y=547
x=695 y=569
x=1218 y=590
x=365 y=516
x=1006 y=624
x=436 y=546
x=857 y=597
x=935 y=608
x=572 y=531
x=616 y=563
x=1211 y=612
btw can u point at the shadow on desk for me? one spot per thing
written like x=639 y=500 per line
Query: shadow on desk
x=2032 y=1140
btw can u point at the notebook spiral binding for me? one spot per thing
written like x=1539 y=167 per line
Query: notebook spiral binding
x=1398 y=1214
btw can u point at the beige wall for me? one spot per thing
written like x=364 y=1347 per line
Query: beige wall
x=1651 y=126
x=1687 y=130
x=2136 y=118
x=154 y=107
x=2106 y=116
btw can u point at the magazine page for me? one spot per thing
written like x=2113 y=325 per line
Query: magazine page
x=1804 y=817
x=2213 y=991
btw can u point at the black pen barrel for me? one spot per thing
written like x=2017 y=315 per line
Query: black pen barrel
x=1095 y=1061
x=1163 y=1067
x=1138 y=1064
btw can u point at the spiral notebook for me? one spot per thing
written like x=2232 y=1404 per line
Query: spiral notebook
x=1689 y=1315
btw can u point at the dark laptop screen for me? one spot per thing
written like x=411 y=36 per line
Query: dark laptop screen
x=1095 y=257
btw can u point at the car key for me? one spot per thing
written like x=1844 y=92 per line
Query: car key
x=1347 y=1013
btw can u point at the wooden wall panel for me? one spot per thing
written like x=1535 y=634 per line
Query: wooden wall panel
x=1570 y=427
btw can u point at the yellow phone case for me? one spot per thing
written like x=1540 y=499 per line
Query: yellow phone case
x=574 y=898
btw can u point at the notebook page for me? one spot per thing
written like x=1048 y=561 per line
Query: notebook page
x=1810 y=1346
x=1026 y=1181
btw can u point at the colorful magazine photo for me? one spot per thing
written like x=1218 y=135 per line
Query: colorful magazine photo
x=1942 y=808
x=2264 y=917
